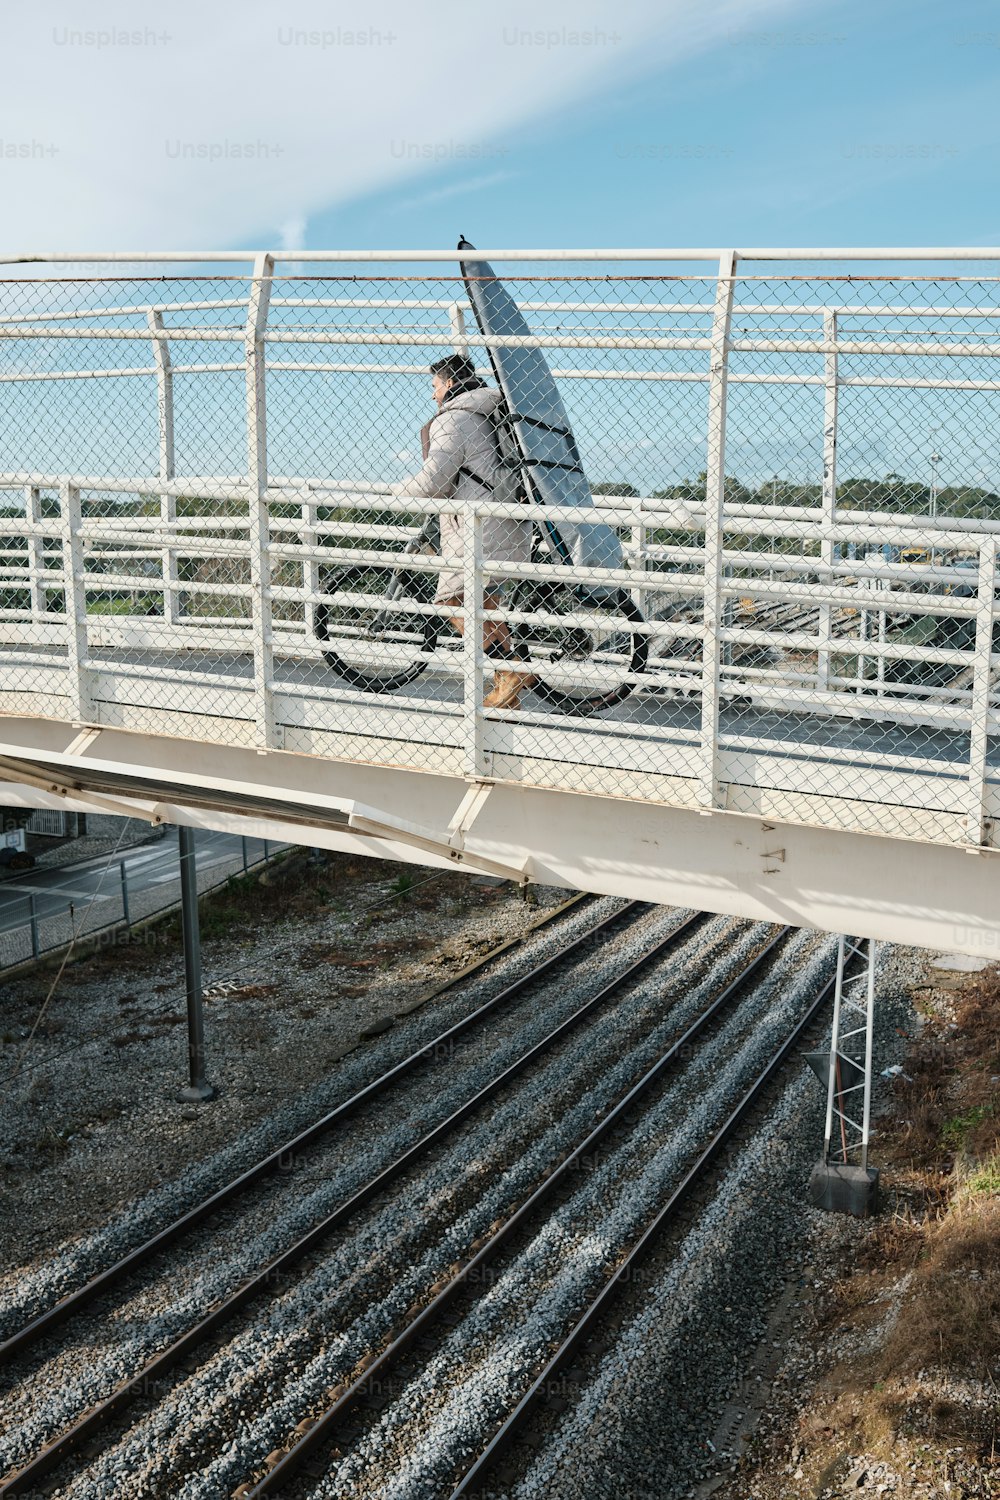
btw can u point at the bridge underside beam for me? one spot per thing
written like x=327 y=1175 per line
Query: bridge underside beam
x=897 y=890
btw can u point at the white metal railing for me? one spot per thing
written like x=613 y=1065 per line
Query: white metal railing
x=900 y=254
x=763 y=634
x=92 y=544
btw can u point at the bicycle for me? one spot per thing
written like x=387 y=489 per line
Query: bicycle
x=380 y=650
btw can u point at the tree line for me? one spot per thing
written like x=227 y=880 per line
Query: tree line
x=890 y=493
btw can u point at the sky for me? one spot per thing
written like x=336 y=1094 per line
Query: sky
x=532 y=124
x=636 y=123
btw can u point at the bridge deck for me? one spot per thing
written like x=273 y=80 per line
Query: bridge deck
x=814 y=652
x=848 y=773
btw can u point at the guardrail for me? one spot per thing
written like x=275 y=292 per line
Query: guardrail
x=47 y=932
x=804 y=622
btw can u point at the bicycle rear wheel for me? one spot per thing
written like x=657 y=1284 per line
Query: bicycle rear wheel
x=579 y=668
x=378 y=648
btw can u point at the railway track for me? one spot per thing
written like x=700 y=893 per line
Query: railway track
x=315 y=1430
x=38 y=1332
x=696 y=1181
x=772 y=618
x=589 y=1084
x=32 y=1331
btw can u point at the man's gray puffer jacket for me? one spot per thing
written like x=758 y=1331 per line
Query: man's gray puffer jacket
x=460 y=437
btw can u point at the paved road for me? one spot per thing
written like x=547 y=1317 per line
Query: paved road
x=147 y=867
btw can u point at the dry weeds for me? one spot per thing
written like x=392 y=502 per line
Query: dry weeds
x=921 y=1300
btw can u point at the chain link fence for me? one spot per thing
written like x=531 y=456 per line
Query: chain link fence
x=46 y=920
x=212 y=525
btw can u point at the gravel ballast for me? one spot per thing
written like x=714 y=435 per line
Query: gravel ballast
x=248 y=1236
x=275 y=1365
x=642 y=1422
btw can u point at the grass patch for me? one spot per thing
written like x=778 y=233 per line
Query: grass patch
x=923 y=1290
x=403 y=884
x=944 y=1149
x=950 y=1318
x=984 y=1179
x=957 y=1132
x=218 y=917
x=122 y=604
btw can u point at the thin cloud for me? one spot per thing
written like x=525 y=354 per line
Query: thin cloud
x=293 y=233
x=198 y=126
x=453 y=190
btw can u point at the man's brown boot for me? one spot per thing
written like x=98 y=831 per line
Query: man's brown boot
x=506 y=692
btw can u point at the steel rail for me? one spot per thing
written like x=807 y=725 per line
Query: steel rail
x=73 y=1301
x=445 y=304
x=60 y=1447
x=653 y=252
x=668 y=1212
x=324 y=1425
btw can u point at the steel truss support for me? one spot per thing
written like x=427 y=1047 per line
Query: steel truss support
x=843 y=1180
x=850 y=1065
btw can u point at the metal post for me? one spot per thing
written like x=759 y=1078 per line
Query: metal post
x=715 y=502
x=869 y=1042
x=310 y=567
x=472 y=654
x=168 y=503
x=932 y=506
x=726 y=649
x=976 y=830
x=639 y=560
x=258 y=518
x=36 y=552
x=243 y=846
x=834 y=1043
x=267 y=854
x=125 y=907
x=456 y=320
x=847 y=1184
x=830 y=414
x=75 y=601
x=198 y=1089
x=33 y=917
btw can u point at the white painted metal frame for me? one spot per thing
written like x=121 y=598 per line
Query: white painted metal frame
x=829 y=507
x=978 y=830
x=165 y=415
x=481 y=746
x=472 y=645
x=36 y=552
x=854 y=253
x=935 y=897
x=715 y=492
x=260 y=564
x=81 y=708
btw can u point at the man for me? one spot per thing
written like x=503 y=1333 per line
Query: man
x=460 y=464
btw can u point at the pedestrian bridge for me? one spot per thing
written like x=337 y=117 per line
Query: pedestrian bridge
x=783 y=704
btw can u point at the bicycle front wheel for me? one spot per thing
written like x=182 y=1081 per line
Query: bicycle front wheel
x=376 y=647
x=581 y=667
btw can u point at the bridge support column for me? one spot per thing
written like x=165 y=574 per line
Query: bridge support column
x=842 y=1181
x=198 y=1088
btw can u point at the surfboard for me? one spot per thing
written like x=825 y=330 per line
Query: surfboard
x=553 y=469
